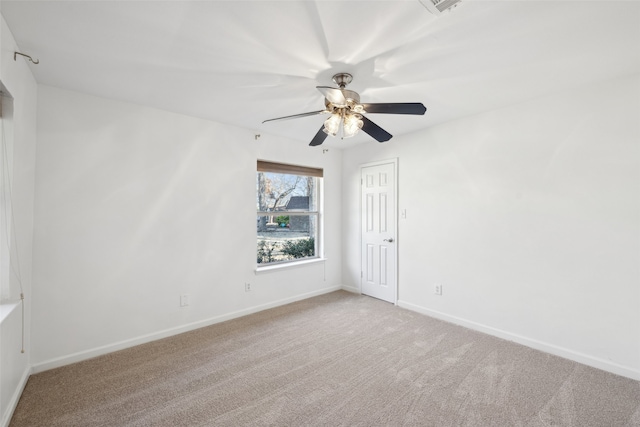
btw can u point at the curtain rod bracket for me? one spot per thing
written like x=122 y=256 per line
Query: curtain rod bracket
x=15 y=54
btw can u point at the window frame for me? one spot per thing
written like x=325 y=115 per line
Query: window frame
x=7 y=226
x=315 y=213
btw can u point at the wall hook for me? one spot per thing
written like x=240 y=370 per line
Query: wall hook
x=15 y=54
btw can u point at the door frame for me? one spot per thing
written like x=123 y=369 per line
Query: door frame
x=395 y=162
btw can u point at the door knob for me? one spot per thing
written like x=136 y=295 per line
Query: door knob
x=390 y=240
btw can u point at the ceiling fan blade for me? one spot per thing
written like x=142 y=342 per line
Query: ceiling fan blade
x=396 y=108
x=375 y=131
x=319 y=138
x=295 y=116
x=335 y=96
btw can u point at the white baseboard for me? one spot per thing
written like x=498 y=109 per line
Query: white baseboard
x=585 y=359
x=99 y=351
x=352 y=289
x=15 y=398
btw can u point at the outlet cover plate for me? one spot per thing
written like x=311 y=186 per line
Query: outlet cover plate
x=184 y=300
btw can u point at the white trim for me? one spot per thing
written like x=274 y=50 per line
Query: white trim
x=13 y=403
x=566 y=353
x=352 y=289
x=285 y=265
x=6 y=308
x=99 y=351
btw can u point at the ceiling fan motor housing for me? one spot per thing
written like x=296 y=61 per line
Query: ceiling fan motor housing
x=351 y=99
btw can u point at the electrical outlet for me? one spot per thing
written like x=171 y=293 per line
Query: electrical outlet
x=437 y=289
x=247 y=287
x=184 y=300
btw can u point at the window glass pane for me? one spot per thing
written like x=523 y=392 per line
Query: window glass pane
x=284 y=192
x=285 y=238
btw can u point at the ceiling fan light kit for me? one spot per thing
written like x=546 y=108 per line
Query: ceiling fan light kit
x=352 y=125
x=346 y=112
x=332 y=124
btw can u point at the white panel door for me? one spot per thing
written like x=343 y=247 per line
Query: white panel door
x=378 y=210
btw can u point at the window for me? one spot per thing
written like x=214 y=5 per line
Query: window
x=288 y=213
x=6 y=170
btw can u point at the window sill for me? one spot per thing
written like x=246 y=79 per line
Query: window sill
x=288 y=265
x=6 y=308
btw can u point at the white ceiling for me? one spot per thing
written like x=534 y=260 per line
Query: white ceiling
x=241 y=62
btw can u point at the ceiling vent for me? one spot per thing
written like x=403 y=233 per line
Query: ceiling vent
x=437 y=7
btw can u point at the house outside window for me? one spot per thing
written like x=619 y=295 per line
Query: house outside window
x=288 y=213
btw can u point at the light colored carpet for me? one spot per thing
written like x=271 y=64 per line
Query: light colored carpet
x=334 y=360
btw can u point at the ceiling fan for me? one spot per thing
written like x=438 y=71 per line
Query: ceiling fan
x=345 y=109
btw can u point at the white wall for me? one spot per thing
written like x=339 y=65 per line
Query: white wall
x=136 y=206
x=17 y=78
x=529 y=217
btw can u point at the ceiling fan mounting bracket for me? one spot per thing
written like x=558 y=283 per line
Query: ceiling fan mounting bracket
x=342 y=79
